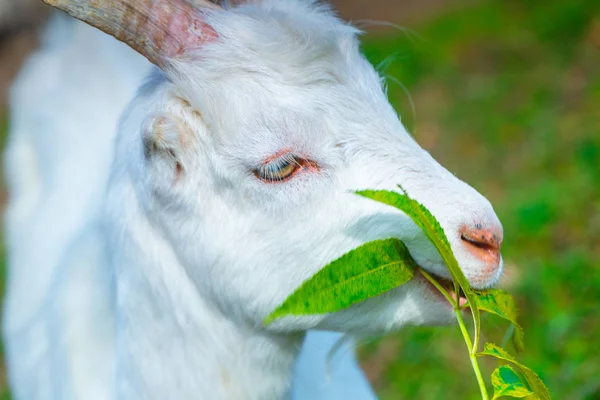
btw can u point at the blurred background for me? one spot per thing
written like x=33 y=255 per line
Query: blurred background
x=506 y=94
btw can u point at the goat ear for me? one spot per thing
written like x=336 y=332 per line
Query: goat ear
x=166 y=141
x=160 y=30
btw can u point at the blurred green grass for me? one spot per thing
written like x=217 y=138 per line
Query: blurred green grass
x=507 y=96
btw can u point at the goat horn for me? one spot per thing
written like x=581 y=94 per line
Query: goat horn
x=157 y=29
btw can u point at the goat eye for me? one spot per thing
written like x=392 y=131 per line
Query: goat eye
x=278 y=170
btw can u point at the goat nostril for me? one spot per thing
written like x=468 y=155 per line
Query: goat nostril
x=482 y=243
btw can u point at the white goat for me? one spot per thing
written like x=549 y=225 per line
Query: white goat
x=143 y=263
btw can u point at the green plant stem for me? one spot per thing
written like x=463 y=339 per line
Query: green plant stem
x=477 y=330
x=472 y=353
x=463 y=329
x=438 y=287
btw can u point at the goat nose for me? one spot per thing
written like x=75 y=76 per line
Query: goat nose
x=483 y=243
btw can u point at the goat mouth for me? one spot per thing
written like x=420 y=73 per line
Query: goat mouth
x=448 y=285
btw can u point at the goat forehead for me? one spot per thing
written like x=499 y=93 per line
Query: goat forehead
x=249 y=108
x=294 y=40
x=247 y=115
x=287 y=60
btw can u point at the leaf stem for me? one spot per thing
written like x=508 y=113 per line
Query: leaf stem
x=472 y=353
x=477 y=330
x=439 y=287
x=463 y=329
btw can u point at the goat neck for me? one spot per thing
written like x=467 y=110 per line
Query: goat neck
x=173 y=342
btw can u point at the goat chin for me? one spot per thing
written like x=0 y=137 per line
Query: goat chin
x=143 y=259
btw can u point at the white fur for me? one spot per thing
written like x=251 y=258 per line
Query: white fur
x=153 y=283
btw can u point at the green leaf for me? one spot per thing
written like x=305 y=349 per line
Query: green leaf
x=365 y=272
x=533 y=380
x=506 y=382
x=434 y=232
x=501 y=303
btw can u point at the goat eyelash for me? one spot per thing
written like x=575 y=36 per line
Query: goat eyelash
x=279 y=169
x=283 y=168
